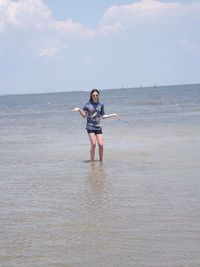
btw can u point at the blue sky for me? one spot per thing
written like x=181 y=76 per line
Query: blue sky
x=50 y=46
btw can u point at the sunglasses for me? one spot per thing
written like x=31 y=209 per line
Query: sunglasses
x=95 y=95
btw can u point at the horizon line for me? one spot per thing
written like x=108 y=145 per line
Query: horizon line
x=104 y=89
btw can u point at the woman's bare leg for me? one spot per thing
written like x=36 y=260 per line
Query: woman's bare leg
x=100 y=144
x=92 y=138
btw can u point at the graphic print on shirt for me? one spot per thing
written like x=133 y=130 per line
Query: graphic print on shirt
x=94 y=113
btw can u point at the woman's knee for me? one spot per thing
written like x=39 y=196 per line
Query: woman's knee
x=100 y=145
x=93 y=145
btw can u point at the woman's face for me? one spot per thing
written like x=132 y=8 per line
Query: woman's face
x=95 y=96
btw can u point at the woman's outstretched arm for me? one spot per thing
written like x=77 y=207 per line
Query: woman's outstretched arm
x=111 y=115
x=82 y=112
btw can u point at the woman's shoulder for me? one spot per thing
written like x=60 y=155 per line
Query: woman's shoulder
x=101 y=104
x=86 y=105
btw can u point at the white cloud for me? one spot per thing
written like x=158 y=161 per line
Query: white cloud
x=142 y=10
x=73 y=29
x=35 y=20
x=106 y=29
x=24 y=14
x=50 y=48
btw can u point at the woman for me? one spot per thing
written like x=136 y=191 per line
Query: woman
x=94 y=111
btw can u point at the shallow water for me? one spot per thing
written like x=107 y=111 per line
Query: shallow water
x=140 y=207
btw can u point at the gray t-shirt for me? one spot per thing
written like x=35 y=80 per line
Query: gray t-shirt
x=95 y=110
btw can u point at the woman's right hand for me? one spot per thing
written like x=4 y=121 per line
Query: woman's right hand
x=116 y=116
x=76 y=109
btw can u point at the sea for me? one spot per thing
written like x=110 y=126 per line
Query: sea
x=140 y=207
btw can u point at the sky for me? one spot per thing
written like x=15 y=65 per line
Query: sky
x=62 y=45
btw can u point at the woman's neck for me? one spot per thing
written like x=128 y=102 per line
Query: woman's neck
x=95 y=101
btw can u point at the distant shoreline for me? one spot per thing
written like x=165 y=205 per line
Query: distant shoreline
x=104 y=89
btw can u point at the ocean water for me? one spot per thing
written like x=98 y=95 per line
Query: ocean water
x=140 y=207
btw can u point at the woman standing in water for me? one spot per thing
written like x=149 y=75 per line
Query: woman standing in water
x=94 y=111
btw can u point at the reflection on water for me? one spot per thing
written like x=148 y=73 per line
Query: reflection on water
x=97 y=190
x=97 y=179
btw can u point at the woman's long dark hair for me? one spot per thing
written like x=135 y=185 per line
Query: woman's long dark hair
x=91 y=93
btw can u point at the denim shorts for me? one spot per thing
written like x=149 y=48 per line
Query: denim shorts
x=97 y=131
